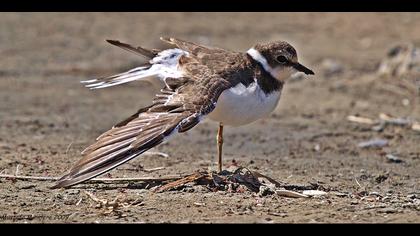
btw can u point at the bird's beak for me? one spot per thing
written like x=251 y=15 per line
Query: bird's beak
x=302 y=68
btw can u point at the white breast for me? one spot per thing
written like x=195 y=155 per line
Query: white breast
x=242 y=105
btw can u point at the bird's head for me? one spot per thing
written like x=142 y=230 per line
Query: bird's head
x=279 y=59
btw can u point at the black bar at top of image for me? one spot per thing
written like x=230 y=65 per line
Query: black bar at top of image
x=210 y=5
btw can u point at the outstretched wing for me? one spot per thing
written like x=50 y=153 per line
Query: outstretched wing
x=136 y=50
x=177 y=108
x=142 y=72
x=192 y=48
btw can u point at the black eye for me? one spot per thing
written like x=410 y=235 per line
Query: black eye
x=281 y=59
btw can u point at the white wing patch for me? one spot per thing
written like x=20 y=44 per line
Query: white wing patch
x=168 y=57
x=164 y=65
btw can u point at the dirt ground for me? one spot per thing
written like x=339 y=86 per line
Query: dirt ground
x=47 y=118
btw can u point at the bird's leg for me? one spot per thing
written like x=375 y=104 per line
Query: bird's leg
x=220 y=144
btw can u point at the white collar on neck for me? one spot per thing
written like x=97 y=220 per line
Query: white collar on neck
x=261 y=59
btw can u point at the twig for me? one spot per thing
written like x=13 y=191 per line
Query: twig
x=46 y=178
x=22 y=177
x=162 y=154
x=357 y=182
x=288 y=193
x=17 y=169
x=144 y=170
x=68 y=147
x=271 y=180
x=359 y=119
x=394 y=121
x=153 y=169
x=78 y=203
x=327 y=134
x=181 y=181
x=95 y=199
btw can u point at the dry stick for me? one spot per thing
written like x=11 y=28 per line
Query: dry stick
x=42 y=178
x=17 y=169
x=288 y=193
x=181 y=181
x=153 y=169
x=147 y=170
x=68 y=147
x=357 y=182
x=257 y=174
x=162 y=154
x=359 y=119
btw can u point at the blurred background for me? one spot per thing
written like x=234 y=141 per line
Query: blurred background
x=356 y=118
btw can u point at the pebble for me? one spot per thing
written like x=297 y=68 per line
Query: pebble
x=142 y=191
x=375 y=194
x=338 y=194
x=264 y=191
x=412 y=196
x=405 y=102
x=331 y=67
x=354 y=202
x=73 y=191
x=388 y=210
x=393 y=158
x=314 y=192
x=373 y=143
x=27 y=186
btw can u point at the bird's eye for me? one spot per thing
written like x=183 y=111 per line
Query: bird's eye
x=281 y=59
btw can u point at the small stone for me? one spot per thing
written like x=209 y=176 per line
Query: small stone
x=381 y=178
x=405 y=102
x=264 y=191
x=338 y=194
x=373 y=143
x=393 y=158
x=385 y=199
x=28 y=186
x=375 y=194
x=314 y=192
x=412 y=196
x=142 y=191
x=387 y=210
x=331 y=67
x=268 y=219
x=73 y=191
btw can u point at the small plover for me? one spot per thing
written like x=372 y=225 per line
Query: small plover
x=197 y=82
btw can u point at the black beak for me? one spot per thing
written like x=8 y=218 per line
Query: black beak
x=302 y=68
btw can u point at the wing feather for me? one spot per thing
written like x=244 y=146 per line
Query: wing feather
x=137 y=50
x=178 y=111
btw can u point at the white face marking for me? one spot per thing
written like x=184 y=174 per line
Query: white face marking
x=280 y=72
x=242 y=105
x=283 y=73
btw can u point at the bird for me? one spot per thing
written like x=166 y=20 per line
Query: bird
x=197 y=82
